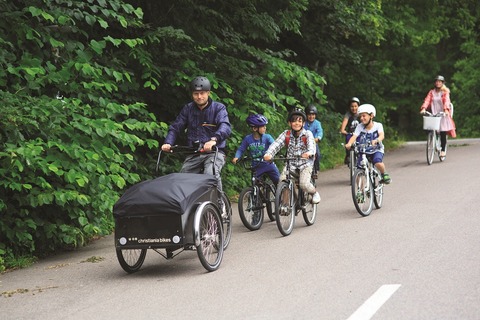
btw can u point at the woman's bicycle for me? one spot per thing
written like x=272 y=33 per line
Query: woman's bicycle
x=431 y=123
x=290 y=199
x=367 y=183
x=255 y=198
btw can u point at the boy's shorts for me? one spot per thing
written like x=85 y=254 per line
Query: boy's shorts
x=375 y=158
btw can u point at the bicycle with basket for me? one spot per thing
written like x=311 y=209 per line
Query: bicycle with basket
x=171 y=214
x=257 y=197
x=431 y=123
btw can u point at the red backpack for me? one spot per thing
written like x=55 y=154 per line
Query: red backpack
x=287 y=138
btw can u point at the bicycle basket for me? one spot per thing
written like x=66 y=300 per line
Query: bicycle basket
x=431 y=123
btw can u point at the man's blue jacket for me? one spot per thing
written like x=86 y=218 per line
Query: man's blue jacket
x=201 y=125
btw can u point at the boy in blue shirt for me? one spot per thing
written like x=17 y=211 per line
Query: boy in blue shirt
x=315 y=127
x=257 y=144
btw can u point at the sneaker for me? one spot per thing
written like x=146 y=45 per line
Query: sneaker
x=316 y=198
x=386 y=178
x=443 y=154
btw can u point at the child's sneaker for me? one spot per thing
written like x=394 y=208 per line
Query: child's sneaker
x=316 y=198
x=386 y=178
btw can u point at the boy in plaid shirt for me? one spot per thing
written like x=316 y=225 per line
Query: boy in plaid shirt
x=300 y=143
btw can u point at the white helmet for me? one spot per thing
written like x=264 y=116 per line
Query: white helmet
x=367 y=108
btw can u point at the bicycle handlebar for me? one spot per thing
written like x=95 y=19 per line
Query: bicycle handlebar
x=248 y=162
x=186 y=150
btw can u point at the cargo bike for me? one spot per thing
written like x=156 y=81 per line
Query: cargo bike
x=171 y=214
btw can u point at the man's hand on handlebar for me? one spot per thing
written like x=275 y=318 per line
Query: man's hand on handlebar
x=207 y=147
x=166 y=147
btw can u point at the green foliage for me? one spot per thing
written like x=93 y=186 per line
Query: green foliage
x=64 y=161
x=121 y=65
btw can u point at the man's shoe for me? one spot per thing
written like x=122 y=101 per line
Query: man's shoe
x=316 y=198
x=386 y=178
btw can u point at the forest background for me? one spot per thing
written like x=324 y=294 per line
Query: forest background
x=88 y=89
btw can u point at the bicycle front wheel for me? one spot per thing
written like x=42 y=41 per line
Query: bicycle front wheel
x=431 y=145
x=377 y=190
x=250 y=208
x=362 y=192
x=210 y=240
x=284 y=208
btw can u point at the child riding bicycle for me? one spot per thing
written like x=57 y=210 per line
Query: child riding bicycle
x=300 y=143
x=256 y=144
x=369 y=130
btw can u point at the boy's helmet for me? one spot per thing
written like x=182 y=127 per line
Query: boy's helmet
x=439 y=77
x=257 y=120
x=367 y=108
x=311 y=109
x=355 y=99
x=297 y=112
x=200 y=84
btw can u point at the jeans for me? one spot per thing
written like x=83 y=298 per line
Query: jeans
x=204 y=163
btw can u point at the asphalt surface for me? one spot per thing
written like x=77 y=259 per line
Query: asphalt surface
x=417 y=257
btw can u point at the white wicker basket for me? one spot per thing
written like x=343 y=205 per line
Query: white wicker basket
x=431 y=123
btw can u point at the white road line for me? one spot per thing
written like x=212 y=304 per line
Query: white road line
x=371 y=306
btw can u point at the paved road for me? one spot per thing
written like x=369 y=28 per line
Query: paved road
x=416 y=258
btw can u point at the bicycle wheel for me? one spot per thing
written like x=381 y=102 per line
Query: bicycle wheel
x=227 y=221
x=269 y=194
x=362 y=193
x=377 y=189
x=210 y=241
x=431 y=145
x=309 y=210
x=131 y=259
x=284 y=208
x=250 y=208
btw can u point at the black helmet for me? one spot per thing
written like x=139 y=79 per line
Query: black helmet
x=257 y=120
x=200 y=84
x=297 y=112
x=311 y=109
x=354 y=99
x=439 y=77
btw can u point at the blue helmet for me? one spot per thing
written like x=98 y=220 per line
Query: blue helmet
x=257 y=120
